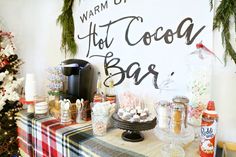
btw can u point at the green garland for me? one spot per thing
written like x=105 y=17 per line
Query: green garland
x=224 y=12
x=66 y=21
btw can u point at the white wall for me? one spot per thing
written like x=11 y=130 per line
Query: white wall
x=37 y=38
x=224 y=89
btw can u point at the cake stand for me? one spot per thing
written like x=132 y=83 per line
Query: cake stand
x=183 y=139
x=132 y=129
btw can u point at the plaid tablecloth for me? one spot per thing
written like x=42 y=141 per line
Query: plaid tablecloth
x=46 y=137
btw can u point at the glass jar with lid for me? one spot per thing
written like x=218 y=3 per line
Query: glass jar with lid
x=162 y=109
x=181 y=101
x=41 y=107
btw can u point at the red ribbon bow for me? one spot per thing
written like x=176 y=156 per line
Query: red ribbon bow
x=202 y=49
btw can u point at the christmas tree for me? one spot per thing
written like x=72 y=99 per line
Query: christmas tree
x=9 y=95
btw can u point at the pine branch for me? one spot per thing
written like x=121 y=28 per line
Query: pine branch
x=230 y=51
x=66 y=21
x=224 y=12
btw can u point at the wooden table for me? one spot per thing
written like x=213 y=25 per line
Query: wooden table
x=150 y=146
x=46 y=137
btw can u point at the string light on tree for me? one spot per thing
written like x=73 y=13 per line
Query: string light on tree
x=9 y=95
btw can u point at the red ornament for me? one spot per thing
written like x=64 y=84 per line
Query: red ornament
x=199 y=45
x=4 y=63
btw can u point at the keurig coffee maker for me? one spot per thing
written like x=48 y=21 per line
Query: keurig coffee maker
x=79 y=79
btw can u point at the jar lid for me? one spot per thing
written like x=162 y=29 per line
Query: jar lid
x=163 y=103
x=178 y=107
x=180 y=99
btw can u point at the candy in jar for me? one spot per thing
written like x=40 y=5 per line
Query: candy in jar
x=208 y=131
x=177 y=120
x=182 y=100
x=111 y=95
x=99 y=124
x=98 y=96
x=162 y=110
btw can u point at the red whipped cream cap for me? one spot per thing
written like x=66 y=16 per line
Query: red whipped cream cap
x=211 y=106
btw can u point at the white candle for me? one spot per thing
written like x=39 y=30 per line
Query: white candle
x=41 y=108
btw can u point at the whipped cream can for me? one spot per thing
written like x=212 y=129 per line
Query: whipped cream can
x=209 y=122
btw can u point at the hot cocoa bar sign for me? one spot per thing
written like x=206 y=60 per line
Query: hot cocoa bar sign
x=144 y=45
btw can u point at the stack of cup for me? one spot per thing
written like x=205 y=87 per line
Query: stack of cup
x=30 y=91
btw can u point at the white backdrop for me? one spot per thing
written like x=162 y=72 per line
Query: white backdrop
x=167 y=57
